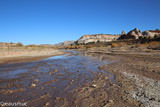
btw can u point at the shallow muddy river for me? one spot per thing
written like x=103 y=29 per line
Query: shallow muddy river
x=49 y=81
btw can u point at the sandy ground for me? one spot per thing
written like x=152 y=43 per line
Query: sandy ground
x=24 y=55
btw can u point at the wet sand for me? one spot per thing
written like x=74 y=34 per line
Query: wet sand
x=90 y=78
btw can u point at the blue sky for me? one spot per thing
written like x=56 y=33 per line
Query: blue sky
x=54 y=21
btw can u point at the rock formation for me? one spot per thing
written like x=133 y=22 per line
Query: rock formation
x=134 y=34
x=148 y=34
x=137 y=34
x=97 y=38
x=153 y=33
x=65 y=43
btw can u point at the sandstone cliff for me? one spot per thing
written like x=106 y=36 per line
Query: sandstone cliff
x=97 y=38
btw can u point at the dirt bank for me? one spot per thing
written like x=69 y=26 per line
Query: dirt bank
x=14 y=56
x=137 y=73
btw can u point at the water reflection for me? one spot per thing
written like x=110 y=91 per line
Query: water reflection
x=55 y=76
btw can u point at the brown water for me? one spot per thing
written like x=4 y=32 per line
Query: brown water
x=50 y=79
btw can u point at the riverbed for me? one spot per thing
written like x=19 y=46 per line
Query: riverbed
x=52 y=81
x=90 y=78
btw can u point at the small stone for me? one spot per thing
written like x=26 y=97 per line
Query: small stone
x=106 y=78
x=10 y=91
x=33 y=85
x=58 y=98
x=72 y=80
x=47 y=104
x=111 y=101
x=42 y=88
x=36 y=80
x=94 y=85
x=55 y=70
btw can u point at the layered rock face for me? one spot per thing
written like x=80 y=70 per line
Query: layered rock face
x=97 y=38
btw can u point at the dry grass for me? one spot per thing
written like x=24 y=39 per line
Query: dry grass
x=151 y=45
x=144 y=45
x=118 y=44
x=26 y=51
x=154 y=44
x=74 y=47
